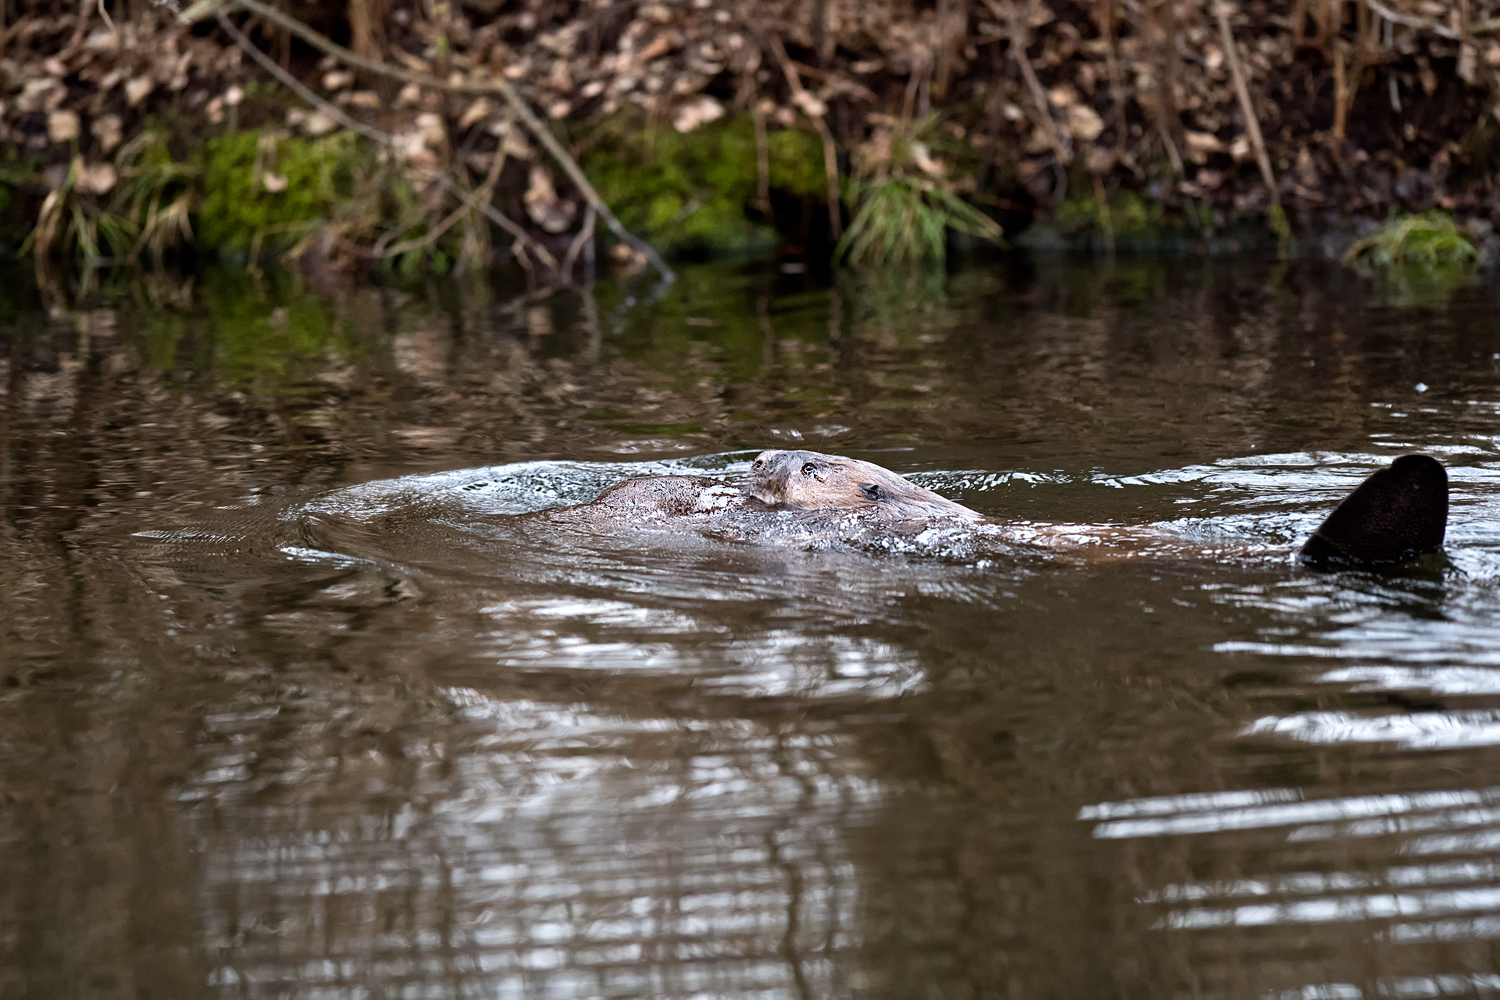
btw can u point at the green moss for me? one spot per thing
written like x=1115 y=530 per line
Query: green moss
x=1431 y=238
x=1133 y=217
x=329 y=178
x=694 y=191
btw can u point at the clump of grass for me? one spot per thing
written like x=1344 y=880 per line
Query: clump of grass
x=906 y=220
x=147 y=208
x=905 y=201
x=1430 y=238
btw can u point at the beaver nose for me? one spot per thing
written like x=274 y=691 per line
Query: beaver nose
x=758 y=464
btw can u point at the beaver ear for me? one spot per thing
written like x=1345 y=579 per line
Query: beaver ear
x=1399 y=513
x=870 y=490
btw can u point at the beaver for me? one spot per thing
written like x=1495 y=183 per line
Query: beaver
x=1396 y=515
x=810 y=480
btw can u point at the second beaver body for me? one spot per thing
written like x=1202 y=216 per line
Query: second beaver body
x=817 y=501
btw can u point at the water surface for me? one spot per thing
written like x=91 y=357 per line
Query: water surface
x=298 y=700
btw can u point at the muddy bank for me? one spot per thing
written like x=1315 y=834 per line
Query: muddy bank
x=129 y=134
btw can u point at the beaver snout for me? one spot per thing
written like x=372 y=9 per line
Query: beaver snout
x=761 y=484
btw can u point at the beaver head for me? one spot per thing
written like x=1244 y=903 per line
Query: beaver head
x=808 y=480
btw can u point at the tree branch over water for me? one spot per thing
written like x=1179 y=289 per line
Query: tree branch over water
x=489 y=87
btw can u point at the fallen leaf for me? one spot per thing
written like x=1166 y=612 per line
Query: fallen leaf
x=545 y=208
x=922 y=157
x=317 y=123
x=810 y=105
x=97 y=178
x=1201 y=145
x=138 y=90
x=475 y=112
x=1084 y=122
x=107 y=129
x=434 y=133
x=696 y=113
x=337 y=79
x=62 y=126
x=273 y=183
x=41 y=95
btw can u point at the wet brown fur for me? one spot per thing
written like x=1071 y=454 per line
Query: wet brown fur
x=810 y=480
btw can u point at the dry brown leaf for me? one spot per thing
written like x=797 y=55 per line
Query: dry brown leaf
x=138 y=90
x=107 y=130
x=1084 y=122
x=1201 y=145
x=432 y=129
x=545 y=208
x=317 y=123
x=810 y=104
x=97 y=178
x=475 y=112
x=695 y=113
x=41 y=95
x=62 y=126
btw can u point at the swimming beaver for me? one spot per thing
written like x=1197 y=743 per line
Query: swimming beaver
x=1397 y=514
x=809 y=480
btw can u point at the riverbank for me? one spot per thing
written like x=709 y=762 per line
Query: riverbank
x=417 y=137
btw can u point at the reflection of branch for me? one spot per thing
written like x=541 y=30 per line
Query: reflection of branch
x=585 y=236
x=496 y=86
x=378 y=136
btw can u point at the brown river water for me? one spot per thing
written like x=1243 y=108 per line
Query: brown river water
x=292 y=705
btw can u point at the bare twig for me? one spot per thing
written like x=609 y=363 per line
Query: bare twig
x=1420 y=23
x=1061 y=143
x=501 y=87
x=472 y=201
x=1242 y=90
x=383 y=138
x=810 y=106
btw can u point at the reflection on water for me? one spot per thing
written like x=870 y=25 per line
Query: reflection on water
x=303 y=694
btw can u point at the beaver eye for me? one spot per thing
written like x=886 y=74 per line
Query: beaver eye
x=809 y=469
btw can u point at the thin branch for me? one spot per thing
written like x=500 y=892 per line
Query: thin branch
x=1018 y=34
x=384 y=138
x=481 y=193
x=500 y=86
x=1252 y=124
x=807 y=103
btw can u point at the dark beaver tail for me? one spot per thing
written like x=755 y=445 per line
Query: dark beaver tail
x=1399 y=513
